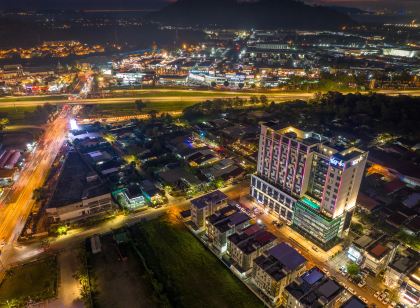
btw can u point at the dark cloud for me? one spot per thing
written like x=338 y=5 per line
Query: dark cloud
x=82 y=4
x=412 y=5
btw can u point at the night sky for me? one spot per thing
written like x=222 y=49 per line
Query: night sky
x=413 y=5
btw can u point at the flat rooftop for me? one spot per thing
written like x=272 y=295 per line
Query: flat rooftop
x=406 y=263
x=378 y=251
x=227 y=218
x=364 y=241
x=280 y=260
x=207 y=199
x=353 y=302
x=72 y=186
x=314 y=289
x=252 y=238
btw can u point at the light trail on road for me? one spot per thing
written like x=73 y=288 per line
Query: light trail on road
x=150 y=96
x=14 y=214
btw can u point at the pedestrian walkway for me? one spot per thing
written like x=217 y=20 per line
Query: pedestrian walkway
x=69 y=287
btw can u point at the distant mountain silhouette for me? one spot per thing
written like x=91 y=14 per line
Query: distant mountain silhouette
x=347 y=10
x=263 y=14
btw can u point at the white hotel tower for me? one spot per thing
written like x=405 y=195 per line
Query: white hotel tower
x=308 y=182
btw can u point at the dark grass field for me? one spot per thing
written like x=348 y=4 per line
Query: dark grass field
x=192 y=275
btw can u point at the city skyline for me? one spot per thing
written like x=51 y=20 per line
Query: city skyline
x=217 y=153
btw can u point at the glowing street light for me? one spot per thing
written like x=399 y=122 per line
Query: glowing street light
x=73 y=124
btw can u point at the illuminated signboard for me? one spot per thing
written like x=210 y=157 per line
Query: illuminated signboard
x=336 y=162
x=356 y=161
x=354 y=255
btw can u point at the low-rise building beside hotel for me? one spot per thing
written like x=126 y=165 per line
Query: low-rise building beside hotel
x=204 y=206
x=247 y=244
x=400 y=267
x=224 y=223
x=403 y=273
x=275 y=269
x=311 y=290
x=378 y=256
x=410 y=289
x=373 y=252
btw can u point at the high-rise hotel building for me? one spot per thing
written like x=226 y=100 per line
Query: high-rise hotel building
x=307 y=181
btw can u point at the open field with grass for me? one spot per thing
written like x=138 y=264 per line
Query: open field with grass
x=34 y=281
x=191 y=275
x=129 y=108
x=16 y=115
x=118 y=283
x=32 y=98
x=176 y=93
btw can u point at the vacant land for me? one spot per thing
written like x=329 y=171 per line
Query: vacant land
x=16 y=115
x=129 y=108
x=174 y=93
x=32 y=98
x=191 y=275
x=119 y=283
x=34 y=281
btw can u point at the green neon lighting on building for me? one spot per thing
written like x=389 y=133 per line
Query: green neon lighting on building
x=310 y=203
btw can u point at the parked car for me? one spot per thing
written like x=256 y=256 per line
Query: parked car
x=361 y=284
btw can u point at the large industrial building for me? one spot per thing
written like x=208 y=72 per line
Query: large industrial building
x=307 y=181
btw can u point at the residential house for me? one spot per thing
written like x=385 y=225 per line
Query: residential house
x=275 y=269
x=224 y=223
x=312 y=290
x=204 y=206
x=247 y=244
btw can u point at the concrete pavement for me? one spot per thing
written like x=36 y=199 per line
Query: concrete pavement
x=69 y=286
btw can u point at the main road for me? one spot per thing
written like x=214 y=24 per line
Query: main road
x=174 y=95
x=15 y=211
x=17 y=254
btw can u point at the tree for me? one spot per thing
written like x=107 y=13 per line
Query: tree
x=353 y=269
x=254 y=99
x=357 y=228
x=192 y=191
x=39 y=194
x=140 y=105
x=218 y=183
x=410 y=240
x=263 y=99
x=168 y=118
x=153 y=114
x=3 y=123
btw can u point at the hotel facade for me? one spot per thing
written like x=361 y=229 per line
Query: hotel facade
x=307 y=181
